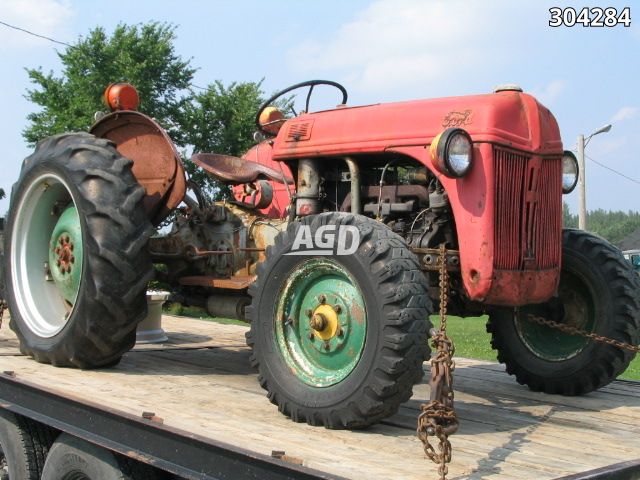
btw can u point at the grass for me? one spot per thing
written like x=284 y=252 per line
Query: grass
x=472 y=341
x=469 y=335
x=197 y=312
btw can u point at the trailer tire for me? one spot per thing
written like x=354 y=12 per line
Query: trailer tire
x=359 y=375
x=23 y=447
x=71 y=458
x=599 y=292
x=78 y=186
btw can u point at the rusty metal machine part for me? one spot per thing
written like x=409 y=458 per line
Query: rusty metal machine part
x=308 y=188
x=354 y=176
x=256 y=195
x=228 y=306
x=215 y=246
x=156 y=163
x=237 y=170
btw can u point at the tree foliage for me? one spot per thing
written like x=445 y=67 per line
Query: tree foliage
x=612 y=225
x=143 y=55
x=221 y=120
x=217 y=118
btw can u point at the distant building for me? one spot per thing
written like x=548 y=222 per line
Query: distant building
x=631 y=241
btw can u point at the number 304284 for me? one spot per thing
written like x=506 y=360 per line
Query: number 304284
x=589 y=17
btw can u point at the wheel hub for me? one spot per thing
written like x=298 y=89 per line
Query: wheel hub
x=325 y=322
x=64 y=251
x=65 y=254
x=573 y=308
x=320 y=322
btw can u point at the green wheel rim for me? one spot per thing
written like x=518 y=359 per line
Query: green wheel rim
x=320 y=322
x=65 y=254
x=578 y=310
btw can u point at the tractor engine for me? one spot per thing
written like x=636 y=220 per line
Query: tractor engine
x=211 y=252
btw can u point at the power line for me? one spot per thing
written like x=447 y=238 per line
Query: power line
x=612 y=170
x=24 y=30
x=36 y=34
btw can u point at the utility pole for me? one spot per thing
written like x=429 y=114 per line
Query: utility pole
x=582 y=191
x=582 y=194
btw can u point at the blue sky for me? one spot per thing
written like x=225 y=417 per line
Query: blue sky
x=384 y=50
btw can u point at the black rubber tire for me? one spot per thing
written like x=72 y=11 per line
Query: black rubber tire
x=23 y=446
x=73 y=458
x=116 y=268
x=395 y=293
x=615 y=291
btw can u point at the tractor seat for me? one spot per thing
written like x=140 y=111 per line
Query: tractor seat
x=236 y=170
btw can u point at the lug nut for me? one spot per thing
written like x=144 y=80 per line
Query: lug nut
x=72 y=259
x=57 y=250
x=337 y=308
x=309 y=312
x=340 y=332
x=327 y=346
x=69 y=269
x=58 y=263
x=66 y=239
x=322 y=299
x=318 y=322
x=71 y=247
x=311 y=336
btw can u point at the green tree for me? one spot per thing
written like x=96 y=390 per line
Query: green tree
x=221 y=119
x=218 y=118
x=568 y=219
x=612 y=225
x=143 y=55
x=2 y=195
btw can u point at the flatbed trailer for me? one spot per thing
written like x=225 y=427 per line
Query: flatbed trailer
x=193 y=407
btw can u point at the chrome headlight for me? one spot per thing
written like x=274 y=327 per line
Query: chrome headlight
x=570 y=172
x=452 y=152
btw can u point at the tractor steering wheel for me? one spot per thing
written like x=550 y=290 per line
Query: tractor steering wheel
x=309 y=83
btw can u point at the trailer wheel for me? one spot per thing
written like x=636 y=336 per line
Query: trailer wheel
x=23 y=447
x=71 y=458
x=598 y=292
x=75 y=258
x=339 y=339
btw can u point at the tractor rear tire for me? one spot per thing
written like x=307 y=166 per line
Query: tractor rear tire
x=23 y=447
x=362 y=373
x=80 y=187
x=598 y=292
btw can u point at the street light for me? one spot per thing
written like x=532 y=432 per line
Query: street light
x=582 y=196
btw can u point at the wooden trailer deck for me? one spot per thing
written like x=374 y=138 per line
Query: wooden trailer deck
x=201 y=382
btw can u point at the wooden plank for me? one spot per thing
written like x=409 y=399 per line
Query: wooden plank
x=201 y=381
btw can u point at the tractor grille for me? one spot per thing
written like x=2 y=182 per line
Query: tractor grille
x=528 y=211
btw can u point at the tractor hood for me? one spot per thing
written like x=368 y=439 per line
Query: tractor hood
x=510 y=118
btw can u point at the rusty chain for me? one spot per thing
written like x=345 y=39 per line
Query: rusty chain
x=571 y=330
x=3 y=307
x=437 y=417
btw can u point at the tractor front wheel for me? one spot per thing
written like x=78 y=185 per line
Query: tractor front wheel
x=339 y=339
x=599 y=292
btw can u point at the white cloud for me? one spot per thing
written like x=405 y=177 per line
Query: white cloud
x=49 y=18
x=402 y=43
x=550 y=92
x=625 y=113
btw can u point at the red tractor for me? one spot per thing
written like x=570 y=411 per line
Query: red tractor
x=329 y=246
